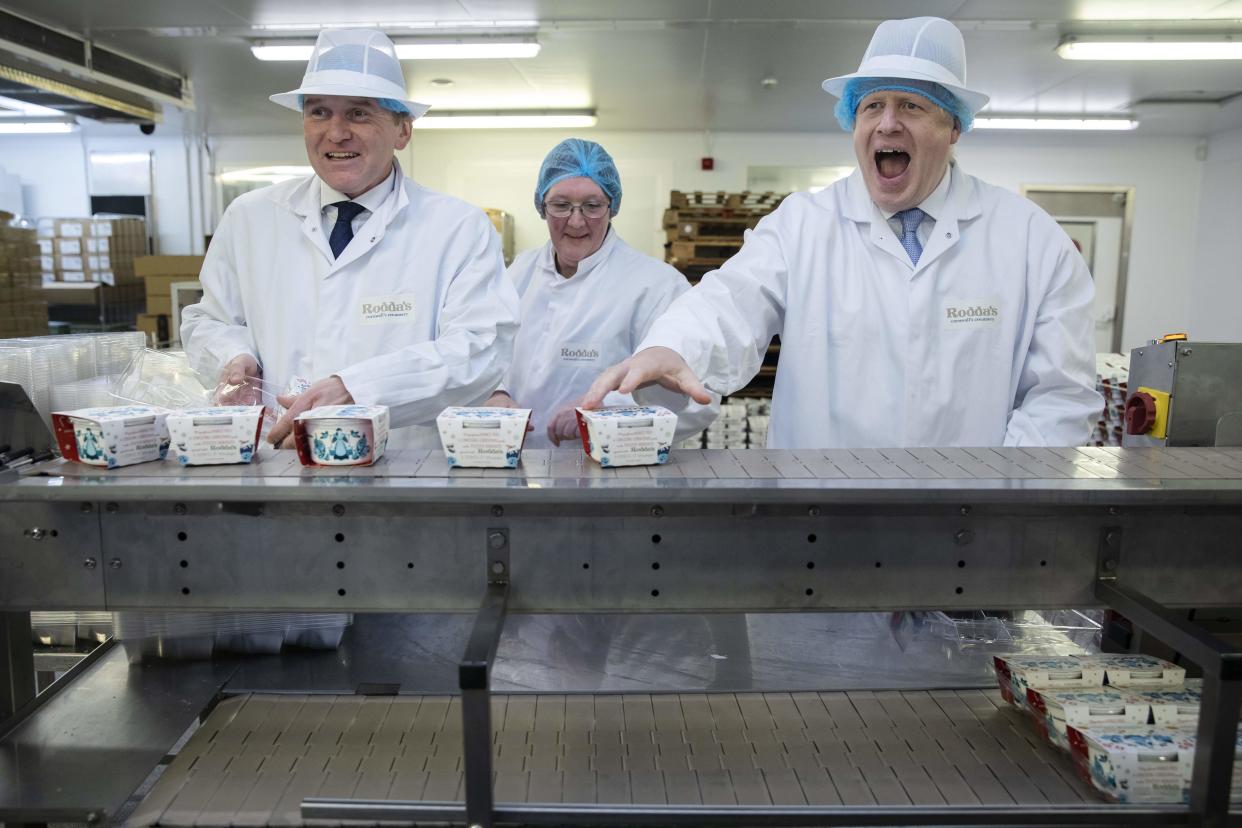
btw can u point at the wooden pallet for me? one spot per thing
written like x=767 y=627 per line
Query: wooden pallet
x=706 y=229
x=746 y=199
x=713 y=251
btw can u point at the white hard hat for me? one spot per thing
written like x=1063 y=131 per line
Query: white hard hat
x=353 y=63
x=919 y=48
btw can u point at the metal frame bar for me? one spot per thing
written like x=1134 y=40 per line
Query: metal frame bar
x=28 y=709
x=740 y=815
x=17 y=673
x=1221 y=704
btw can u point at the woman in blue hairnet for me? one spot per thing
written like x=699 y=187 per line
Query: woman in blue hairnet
x=588 y=298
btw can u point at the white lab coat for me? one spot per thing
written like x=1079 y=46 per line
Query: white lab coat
x=987 y=342
x=574 y=328
x=416 y=313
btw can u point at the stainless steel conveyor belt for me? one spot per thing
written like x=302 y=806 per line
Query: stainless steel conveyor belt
x=1138 y=530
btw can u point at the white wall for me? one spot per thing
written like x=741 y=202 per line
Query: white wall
x=1216 y=296
x=53 y=171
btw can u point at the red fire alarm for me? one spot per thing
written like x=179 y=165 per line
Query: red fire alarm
x=708 y=163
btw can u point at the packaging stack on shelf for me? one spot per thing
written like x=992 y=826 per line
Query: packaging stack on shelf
x=503 y=222
x=729 y=429
x=100 y=249
x=23 y=310
x=1112 y=374
x=160 y=273
x=704 y=230
x=742 y=424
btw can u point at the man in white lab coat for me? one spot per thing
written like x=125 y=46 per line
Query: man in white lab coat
x=588 y=298
x=916 y=304
x=355 y=280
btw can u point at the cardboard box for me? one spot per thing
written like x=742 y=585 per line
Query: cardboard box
x=64 y=262
x=70 y=228
x=116 y=226
x=70 y=276
x=98 y=245
x=181 y=266
x=628 y=435
x=155 y=326
x=112 y=436
x=483 y=437
x=99 y=262
x=341 y=435
x=69 y=247
x=216 y=435
x=47 y=247
x=106 y=277
x=159 y=305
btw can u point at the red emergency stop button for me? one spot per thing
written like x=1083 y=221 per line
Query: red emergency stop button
x=1140 y=413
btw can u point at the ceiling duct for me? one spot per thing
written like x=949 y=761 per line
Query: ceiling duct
x=57 y=69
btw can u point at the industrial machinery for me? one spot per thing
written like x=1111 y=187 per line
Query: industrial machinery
x=387 y=732
x=1184 y=393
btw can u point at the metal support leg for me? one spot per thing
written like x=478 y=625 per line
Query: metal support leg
x=17 y=673
x=1215 y=746
x=474 y=678
x=1221 y=703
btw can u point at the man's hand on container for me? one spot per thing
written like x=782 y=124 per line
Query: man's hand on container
x=650 y=365
x=329 y=391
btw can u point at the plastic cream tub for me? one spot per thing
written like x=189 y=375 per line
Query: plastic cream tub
x=483 y=436
x=631 y=435
x=341 y=435
x=215 y=435
x=112 y=436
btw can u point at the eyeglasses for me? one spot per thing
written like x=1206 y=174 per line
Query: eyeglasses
x=565 y=209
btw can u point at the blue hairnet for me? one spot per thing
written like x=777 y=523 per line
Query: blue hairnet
x=858 y=88
x=385 y=103
x=576 y=158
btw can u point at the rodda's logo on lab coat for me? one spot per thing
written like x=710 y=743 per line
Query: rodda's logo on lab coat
x=574 y=352
x=957 y=315
x=382 y=310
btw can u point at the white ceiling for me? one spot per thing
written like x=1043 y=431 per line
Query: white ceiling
x=680 y=64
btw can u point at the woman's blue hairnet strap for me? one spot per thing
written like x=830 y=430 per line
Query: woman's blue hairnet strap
x=856 y=89
x=385 y=103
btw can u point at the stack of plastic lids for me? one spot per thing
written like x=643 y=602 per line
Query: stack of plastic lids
x=198 y=635
x=162 y=378
x=44 y=364
x=93 y=392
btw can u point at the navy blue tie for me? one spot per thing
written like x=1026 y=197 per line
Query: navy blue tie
x=343 y=230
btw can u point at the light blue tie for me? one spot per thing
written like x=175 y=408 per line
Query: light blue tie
x=910 y=221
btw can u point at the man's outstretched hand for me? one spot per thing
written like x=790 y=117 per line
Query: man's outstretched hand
x=650 y=365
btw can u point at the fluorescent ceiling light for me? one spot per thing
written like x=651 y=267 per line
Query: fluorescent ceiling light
x=507 y=119
x=389 y=25
x=26 y=127
x=1172 y=47
x=27 y=108
x=120 y=157
x=414 y=50
x=1054 y=122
